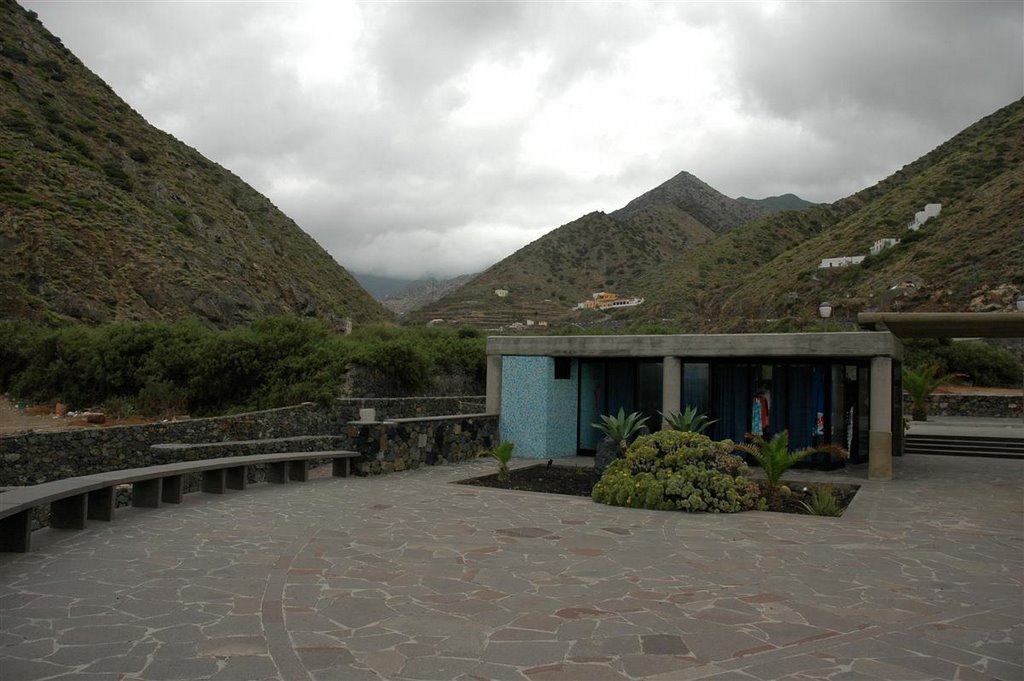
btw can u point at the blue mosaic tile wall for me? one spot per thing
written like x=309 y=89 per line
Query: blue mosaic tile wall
x=563 y=403
x=538 y=413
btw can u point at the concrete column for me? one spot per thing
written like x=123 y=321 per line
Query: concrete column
x=671 y=387
x=880 y=435
x=493 y=405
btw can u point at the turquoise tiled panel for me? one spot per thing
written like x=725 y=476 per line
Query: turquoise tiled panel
x=538 y=413
x=562 y=409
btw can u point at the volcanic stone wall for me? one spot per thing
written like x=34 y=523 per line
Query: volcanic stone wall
x=31 y=458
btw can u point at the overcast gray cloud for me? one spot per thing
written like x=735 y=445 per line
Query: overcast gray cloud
x=415 y=138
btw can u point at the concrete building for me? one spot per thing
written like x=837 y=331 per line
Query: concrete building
x=844 y=261
x=882 y=244
x=821 y=387
x=930 y=211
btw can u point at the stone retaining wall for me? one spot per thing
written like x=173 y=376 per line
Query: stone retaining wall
x=411 y=443
x=996 y=406
x=32 y=458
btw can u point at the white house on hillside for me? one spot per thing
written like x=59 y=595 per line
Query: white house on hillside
x=883 y=244
x=828 y=263
x=930 y=211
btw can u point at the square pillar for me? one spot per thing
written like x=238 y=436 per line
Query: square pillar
x=235 y=478
x=880 y=435
x=173 y=489
x=101 y=504
x=213 y=481
x=277 y=472
x=298 y=471
x=146 y=493
x=69 y=513
x=16 y=531
x=671 y=388
x=493 y=404
x=341 y=467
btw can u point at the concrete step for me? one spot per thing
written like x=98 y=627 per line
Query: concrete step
x=964 y=445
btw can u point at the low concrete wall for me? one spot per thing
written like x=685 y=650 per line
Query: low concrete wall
x=996 y=406
x=33 y=458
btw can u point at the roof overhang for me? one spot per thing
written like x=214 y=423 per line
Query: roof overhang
x=841 y=344
x=946 y=324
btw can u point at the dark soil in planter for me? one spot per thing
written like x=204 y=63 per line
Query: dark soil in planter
x=577 y=481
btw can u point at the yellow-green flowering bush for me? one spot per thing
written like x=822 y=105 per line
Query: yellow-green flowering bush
x=672 y=470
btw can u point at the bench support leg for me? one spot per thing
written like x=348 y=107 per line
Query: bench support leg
x=277 y=472
x=172 y=489
x=69 y=513
x=298 y=471
x=16 y=531
x=340 y=468
x=235 y=478
x=101 y=504
x=213 y=481
x=146 y=493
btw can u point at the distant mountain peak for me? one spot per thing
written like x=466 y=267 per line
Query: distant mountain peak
x=687 y=192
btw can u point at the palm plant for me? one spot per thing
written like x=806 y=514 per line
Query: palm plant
x=503 y=454
x=920 y=383
x=622 y=427
x=775 y=458
x=689 y=421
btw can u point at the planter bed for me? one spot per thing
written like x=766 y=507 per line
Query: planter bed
x=579 y=481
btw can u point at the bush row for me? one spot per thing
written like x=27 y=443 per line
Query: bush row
x=974 y=362
x=156 y=368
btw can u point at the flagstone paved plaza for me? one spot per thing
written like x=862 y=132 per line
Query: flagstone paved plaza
x=407 y=576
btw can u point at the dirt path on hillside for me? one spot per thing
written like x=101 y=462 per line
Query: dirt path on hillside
x=42 y=418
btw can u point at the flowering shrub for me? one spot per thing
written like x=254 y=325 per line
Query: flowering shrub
x=672 y=470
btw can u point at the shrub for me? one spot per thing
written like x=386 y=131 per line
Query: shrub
x=823 y=502
x=672 y=470
x=977 y=362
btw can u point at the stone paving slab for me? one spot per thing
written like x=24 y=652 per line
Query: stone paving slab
x=407 y=576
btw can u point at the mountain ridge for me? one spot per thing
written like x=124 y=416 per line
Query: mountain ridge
x=106 y=218
x=596 y=252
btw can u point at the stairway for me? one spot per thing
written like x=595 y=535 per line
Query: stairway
x=964 y=445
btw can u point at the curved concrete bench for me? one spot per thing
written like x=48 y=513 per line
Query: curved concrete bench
x=73 y=501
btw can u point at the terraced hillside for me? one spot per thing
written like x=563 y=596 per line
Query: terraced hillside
x=596 y=252
x=104 y=217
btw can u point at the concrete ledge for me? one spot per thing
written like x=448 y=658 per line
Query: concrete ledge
x=731 y=345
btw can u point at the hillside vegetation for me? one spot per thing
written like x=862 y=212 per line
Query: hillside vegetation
x=758 y=270
x=103 y=217
x=970 y=258
x=597 y=252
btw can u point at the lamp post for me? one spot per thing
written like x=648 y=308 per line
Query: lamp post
x=825 y=310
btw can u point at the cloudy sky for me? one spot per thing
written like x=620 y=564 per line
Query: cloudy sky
x=435 y=138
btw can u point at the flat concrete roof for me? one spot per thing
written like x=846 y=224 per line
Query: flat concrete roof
x=946 y=324
x=846 y=344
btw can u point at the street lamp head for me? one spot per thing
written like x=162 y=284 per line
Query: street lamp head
x=825 y=310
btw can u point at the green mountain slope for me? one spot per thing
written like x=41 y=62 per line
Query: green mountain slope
x=971 y=257
x=597 y=252
x=104 y=217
